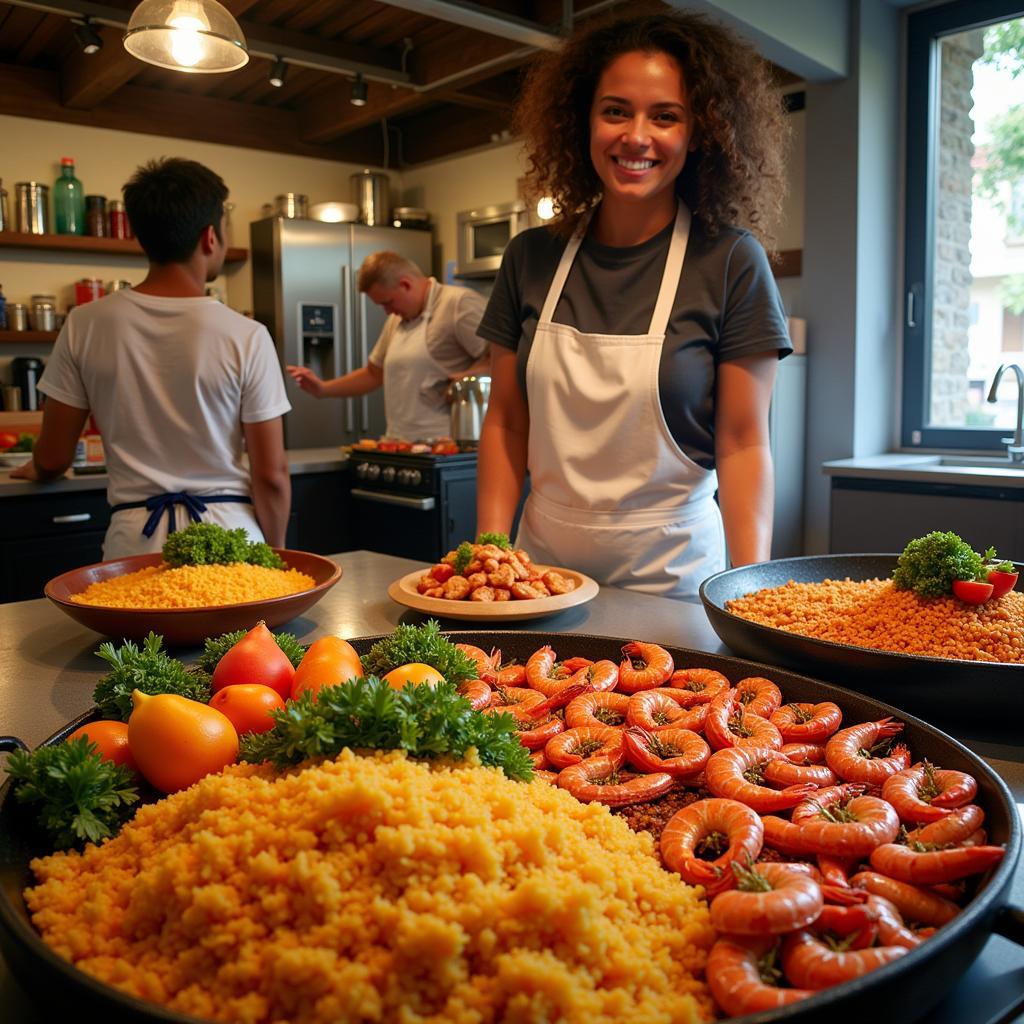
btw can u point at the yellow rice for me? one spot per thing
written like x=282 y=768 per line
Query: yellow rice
x=194 y=586
x=378 y=888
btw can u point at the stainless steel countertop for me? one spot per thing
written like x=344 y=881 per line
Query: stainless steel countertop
x=300 y=461
x=48 y=670
x=934 y=468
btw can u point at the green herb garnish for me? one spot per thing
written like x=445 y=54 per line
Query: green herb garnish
x=930 y=564
x=82 y=797
x=209 y=544
x=426 y=721
x=993 y=563
x=424 y=644
x=151 y=670
x=463 y=556
x=217 y=647
x=499 y=540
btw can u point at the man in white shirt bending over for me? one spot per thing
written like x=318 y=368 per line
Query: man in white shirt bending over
x=179 y=385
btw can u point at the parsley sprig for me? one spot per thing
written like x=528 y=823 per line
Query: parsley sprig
x=210 y=544
x=425 y=644
x=463 y=556
x=151 y=670
x=216 y=647
x=426 y=721
x=81 y=796
x=499 y=540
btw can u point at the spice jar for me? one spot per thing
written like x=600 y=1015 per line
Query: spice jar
x=43 y=313
x=117 y=219
x=96 y=216
x=87 y=289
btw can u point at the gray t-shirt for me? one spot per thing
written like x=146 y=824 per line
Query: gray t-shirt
x=727 y=306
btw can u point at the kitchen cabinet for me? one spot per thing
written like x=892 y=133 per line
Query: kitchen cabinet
x=321 y=515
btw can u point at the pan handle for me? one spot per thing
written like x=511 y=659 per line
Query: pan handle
x=1010 y=924
x=9 y=743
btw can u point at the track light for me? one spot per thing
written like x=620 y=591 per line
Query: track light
x=278 y=73
x=88 y=38
x=359 y=92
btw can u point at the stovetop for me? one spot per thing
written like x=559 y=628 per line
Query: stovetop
x=404 y=472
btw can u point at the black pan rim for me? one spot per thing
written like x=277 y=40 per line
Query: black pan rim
x=984 y=906
x=831 y=648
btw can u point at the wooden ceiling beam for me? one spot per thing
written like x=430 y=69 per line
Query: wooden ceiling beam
x=438 y=133
x=48 y=30
x=87 y=79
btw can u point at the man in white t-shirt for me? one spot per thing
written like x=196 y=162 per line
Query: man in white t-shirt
x=428 y=340
x=180 y=386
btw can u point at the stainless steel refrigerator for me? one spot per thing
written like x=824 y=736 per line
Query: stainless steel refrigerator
x=304 y=291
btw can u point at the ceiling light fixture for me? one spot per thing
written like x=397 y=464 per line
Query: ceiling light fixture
x=88 y=38
x=196 y=36
x=278 y=73
x=359 y=91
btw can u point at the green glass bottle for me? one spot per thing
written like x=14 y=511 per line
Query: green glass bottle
x=68 y=200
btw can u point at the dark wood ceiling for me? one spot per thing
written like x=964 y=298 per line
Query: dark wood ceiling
x=435 y=87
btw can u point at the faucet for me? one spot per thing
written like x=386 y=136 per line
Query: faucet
x=1015 y=449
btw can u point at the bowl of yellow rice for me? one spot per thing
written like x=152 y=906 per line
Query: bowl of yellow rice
x=128 y=597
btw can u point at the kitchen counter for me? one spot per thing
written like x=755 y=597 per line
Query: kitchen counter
x=48 y=671
x=915 y=467
x=300 y=461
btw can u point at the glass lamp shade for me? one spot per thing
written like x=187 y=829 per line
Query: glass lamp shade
x=197 y=36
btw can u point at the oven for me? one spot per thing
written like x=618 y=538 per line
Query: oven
x=483 y=234
x=413 y=506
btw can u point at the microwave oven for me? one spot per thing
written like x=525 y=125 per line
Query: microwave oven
x=483 y=235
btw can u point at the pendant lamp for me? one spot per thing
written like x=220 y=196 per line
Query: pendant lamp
x=197 y=36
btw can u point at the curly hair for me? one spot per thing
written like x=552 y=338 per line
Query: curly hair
x=736 y=174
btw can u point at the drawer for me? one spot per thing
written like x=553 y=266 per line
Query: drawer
x=54 y=515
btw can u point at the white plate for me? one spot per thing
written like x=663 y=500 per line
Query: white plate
x=12 y=459
x=403 y=591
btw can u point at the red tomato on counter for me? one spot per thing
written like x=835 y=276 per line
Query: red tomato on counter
x=7 y=440
x=1002 y=582
x=972 y=591
x=329 y=661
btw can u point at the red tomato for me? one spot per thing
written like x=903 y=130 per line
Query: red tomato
x=416 y=673
x=248 y=706
x=7 y=439
x=972 y=591
x=329 y=661
x=1002 y=582
x=256 y=658
x=112 y=740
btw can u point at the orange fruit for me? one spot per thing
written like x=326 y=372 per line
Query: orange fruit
x=329 y=661
x=248 y=706
x=176 y=741
x=112 y=740
x=415 y=672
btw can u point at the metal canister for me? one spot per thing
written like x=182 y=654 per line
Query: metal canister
x=292 y=205
x=43 y=313
x=31 y=207
x=17 y=316
x=371 y=193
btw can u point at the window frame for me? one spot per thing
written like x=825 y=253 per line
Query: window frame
x=924 y=30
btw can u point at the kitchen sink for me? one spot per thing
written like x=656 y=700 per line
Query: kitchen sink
x=978 y=462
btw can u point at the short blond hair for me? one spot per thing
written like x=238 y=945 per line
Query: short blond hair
x=385 y=268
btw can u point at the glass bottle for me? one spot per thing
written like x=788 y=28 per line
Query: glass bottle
x=3 y=310
x=68 y=200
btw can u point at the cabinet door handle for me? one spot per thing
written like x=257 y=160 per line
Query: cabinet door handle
x=421 y=504
x=76 y=517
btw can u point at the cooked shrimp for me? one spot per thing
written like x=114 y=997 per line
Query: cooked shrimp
x=807 y=723
x=956 y=827
x=724 y=827
x=805 y=753
x=653 y=710
x=728 y=725
x=481 y=661
x=679 y=752
x=769 y=899
x=598 y=779
x=534 y=735
x=477 y=692
x=539 y=759
x=730 y=773
x=598 y=675
x=559 y=699
x=916 y=792
x=832 y=822
x=510 y=674
x=654 y=666
x=784 y=773
x=920 y=865
x=810 y=963
x=545 y=674
x=575 y=745
x=736 y=972
x=516 y=700
x=856 y=925
x=891 y=929
x=597 y=709
x=575 y=663
x=543 y=775
x=759 y=695
x=913 y=902
x=697 y=685
x=851 y=753
x=836 y=870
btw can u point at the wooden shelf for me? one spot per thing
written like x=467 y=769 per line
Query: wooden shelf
x=84 y=243
x=19 y=336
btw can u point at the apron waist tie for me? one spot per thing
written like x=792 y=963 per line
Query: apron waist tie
x=160 y=503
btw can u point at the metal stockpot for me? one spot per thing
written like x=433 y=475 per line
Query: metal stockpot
x=469 y=405
x=292 y=205
x=31 y=208
x=371 y=193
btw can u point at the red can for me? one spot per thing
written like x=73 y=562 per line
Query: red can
x=117 y=220
x=87 y=289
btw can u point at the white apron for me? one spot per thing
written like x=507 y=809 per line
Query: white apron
x=410 y=382
x=612 y=494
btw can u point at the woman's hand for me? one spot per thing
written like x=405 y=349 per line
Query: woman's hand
x=307 y=380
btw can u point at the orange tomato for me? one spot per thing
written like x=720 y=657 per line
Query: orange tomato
x=415 y=672
x=248 y=706
x=256 y=658
x=112 y=740
x=176 y=741
x=329 y=661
